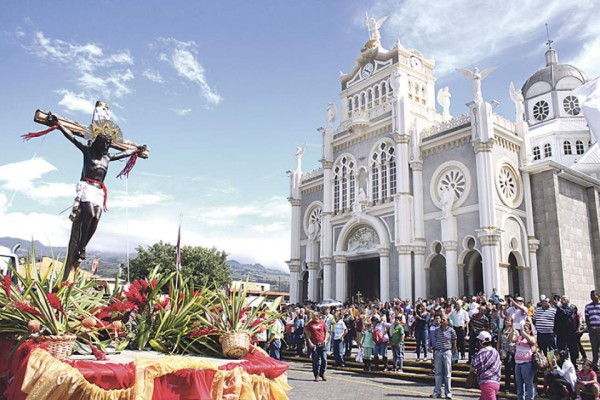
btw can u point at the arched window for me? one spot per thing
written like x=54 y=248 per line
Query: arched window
x=579 y=147
x=567 y=148
x=547 y=150
x=383 y=89
x=383 y=172
x=344 y=184
x=536 y=153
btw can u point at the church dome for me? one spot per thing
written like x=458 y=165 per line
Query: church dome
x=552 y=74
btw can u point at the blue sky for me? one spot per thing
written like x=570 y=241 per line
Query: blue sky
x=222 y=93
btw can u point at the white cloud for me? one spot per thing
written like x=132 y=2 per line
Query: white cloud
x=477 y=31
x=97 y=73
x=181 y=111
x=75 y=102
x=50 y=191
x=137 y=200
x=153 y=75
x=267 y=244
x=21 y=175
x=182 y=57
x=51 y=229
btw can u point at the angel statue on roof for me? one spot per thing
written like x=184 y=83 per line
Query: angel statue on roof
x=373 y=26
x=476 y=77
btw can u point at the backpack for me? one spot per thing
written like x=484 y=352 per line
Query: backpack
x=377 y=336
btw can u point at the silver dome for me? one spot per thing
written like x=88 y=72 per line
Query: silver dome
x=552 y=73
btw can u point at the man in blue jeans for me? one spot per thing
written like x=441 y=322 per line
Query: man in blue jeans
x=445 y=346
x=316 y=335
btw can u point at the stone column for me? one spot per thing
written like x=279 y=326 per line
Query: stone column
x=419 y=229
x=294 y=266
x=483 y=143
x=450 y=242
x=312 y=280
x=420 y=273
x=295 y=241
x=450 y=247
x=405 y=272
x=490 y=257
x=327 y=278
x=533 y=244
x=341 y=281
x=384 y=274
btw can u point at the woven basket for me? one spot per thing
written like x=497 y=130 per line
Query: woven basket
x=235 y=344
x=60 y=347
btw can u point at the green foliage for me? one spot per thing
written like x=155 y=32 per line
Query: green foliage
x=202 y=265
x=228 y=313
x=49 y=306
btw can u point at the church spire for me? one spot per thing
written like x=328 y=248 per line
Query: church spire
x=551 y=55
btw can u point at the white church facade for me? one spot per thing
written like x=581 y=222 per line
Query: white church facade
x=410 y=202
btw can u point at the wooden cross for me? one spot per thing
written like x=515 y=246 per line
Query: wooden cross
x=41 y=117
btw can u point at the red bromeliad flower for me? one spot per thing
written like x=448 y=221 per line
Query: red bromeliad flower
x=6 y=284
x=55 y=302
x=144 y=284
x=162 y=304
x=196 y=333
x=153 y=283
x=67 y=284
x=26 y=308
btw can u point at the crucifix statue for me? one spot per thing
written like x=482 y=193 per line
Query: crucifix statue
x=90 y=200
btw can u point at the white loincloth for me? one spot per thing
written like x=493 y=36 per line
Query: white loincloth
x=88 y=192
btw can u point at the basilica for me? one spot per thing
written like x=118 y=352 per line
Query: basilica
x=411 y=202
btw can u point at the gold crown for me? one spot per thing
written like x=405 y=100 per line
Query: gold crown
x=106 y=127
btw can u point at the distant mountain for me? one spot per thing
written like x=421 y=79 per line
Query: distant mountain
x=110 y=263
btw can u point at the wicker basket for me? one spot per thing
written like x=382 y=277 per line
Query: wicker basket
x=235 y=344
x=60 y=347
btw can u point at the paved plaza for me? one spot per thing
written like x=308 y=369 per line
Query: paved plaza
x=344 y=385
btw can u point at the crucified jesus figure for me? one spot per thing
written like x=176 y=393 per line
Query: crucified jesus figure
x=91 y=196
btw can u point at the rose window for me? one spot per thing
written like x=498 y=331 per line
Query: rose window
x=315 y=217
x=508 y=186
x=455 y=180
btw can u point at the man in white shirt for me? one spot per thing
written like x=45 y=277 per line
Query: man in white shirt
x=459 y=319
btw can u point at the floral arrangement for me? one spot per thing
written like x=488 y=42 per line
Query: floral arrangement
x=33 y=306
x=231 y=313
x=157 y=313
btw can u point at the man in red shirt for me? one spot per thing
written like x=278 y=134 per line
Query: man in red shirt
x=316 y=335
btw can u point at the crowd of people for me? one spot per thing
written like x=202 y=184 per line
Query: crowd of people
x=501 y=332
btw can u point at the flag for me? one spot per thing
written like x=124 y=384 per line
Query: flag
x=589 y=96
x=178 y=256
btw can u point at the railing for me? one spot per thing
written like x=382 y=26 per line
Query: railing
x=312 y=174
x=446 y=125
x=363 y=116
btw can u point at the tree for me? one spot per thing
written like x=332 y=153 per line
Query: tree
x=204 y=266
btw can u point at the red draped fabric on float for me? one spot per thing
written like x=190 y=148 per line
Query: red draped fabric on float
x=182 y=384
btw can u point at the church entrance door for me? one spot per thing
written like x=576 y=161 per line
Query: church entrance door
x=514 y=284
x=363 y=277
x=304 y=289
x=437 y=277
x=473 y=273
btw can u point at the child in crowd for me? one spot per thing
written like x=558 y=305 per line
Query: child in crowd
x=397 y=341
x=368 y=346
x=587 y=382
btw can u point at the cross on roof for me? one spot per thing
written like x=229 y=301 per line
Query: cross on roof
x=548 y=42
